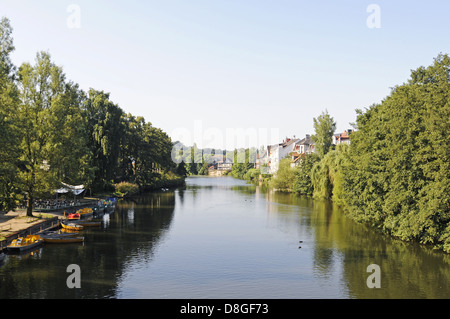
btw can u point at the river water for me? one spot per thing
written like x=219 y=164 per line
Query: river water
x=220 y=237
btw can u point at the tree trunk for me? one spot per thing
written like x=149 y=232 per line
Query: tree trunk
x=30 y=205
x=30 y=197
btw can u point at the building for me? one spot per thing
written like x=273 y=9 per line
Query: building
x=276 y=152
x=219 y=167
x=224 y=165
x=301 y=148
x=342 y=138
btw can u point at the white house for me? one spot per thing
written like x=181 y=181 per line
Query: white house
x=276 y=152
x=342 y=138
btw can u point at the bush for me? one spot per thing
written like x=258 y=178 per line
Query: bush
x=252 y=175
x=285 y=177
x=303 y=184
x=126 y=188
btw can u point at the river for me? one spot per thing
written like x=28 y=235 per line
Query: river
x=220 y=237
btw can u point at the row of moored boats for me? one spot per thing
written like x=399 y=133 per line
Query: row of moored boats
x=68 y=233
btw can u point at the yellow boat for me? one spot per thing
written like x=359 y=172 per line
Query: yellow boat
x=71 y=226
x=24 y=243
x=85 y=212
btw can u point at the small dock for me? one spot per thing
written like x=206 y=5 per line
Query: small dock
x=46 y=224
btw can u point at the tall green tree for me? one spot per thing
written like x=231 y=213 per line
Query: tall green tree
x=39 y=85
x=104 y=132
x=132 y=143
x=324 y=127
x=327 y=175
x=399 y=177
x=9 y=130
x=70 y=155
x=303 y=184
x=243 y=161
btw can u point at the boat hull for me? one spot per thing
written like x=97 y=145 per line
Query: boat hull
x=88 y=224
x=63 y=240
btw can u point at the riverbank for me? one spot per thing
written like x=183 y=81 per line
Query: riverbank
x=17 y=223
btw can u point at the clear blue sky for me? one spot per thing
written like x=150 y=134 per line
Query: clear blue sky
x=234 y=63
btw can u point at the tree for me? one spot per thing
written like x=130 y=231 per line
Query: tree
x=70 y=154
x=399 y=177
x=39 y=86
x=243 y=160
x=145 y=152
x=181 y=169
x=303 y=182
x=104 y=130
x=285 y=177
x=327 y=175
x=131 y=145
x=9 y=131
x=324 y=127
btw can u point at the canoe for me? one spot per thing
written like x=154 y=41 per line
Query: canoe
x=71 y=226
x=69 y=232
x=62 y=239
x=88 y=223
x=58 y=233
x=24 y=243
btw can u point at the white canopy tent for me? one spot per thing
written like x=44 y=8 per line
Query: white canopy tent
x=76 y=190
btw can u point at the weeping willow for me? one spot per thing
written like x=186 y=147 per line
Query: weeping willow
x=327 y=176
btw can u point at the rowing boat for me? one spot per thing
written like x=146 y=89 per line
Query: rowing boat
x=71 y=226
x=24 y=243
x=62 y=239
x=87 y=223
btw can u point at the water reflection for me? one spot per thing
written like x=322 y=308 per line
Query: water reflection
x=130 y=215
x=224 y=238
x=132 y=231
x=408 y=270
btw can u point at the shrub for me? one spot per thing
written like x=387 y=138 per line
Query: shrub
x=285 y=177
x=126 y=188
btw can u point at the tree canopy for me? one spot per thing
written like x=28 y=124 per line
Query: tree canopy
x=51 y=132
x=324 y=127
x=399 y=177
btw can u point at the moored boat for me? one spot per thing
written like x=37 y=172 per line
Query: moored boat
x=24 y=243
x=74 y=216
x=71 y=226
x=88 y=223
x=55 y=239
x=85 y=212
